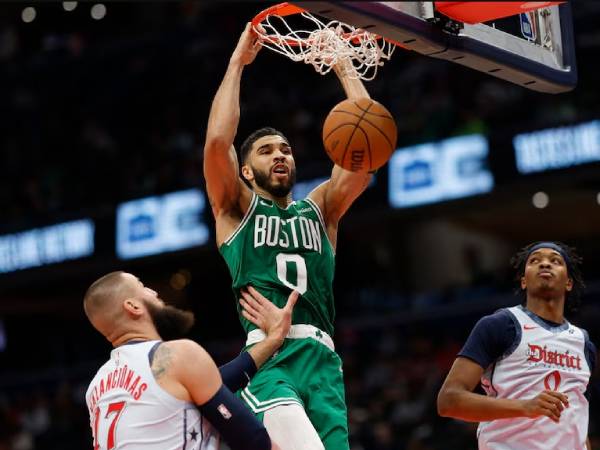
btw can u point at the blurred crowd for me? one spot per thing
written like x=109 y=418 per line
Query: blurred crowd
x=97 y=112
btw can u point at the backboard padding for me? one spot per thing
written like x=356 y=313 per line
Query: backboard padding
x=479 y=46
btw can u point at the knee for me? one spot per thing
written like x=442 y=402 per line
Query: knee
x=291 y=429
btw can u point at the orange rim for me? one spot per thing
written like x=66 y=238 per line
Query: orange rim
x=287 y=9
x=282 y=10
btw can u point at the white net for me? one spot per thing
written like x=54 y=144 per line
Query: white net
x=326 y=45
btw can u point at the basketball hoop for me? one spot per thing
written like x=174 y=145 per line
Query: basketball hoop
x=321 y=44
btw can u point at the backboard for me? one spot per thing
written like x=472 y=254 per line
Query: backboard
x=535 y=49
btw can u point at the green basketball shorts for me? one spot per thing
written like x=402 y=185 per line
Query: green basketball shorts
x=305 y=371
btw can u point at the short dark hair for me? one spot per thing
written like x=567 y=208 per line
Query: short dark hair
x=572 y=298
x=101 y=289
x=254 y=136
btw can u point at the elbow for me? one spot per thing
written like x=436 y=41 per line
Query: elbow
x=215 y=142
x=445 y=403
x=221 y=135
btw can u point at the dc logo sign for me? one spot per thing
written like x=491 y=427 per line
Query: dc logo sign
x=142 y=227
x=418 y=175
x=159 y=224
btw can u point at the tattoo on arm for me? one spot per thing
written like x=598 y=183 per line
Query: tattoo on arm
x=162 y=361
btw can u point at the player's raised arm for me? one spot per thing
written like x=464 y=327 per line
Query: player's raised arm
x=335 y=196
x=225 y=189
x=353 y=87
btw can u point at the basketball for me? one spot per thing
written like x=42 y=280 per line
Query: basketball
x=359 y=134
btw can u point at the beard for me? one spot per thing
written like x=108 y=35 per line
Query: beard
x=263 y=180
x=170 y=322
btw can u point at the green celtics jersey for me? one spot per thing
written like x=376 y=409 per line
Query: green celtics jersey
x=276 y=250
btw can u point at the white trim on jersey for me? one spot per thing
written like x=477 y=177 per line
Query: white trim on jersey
x=297 y=331
x=258 y=406
x=317 y=210
x=245 y=219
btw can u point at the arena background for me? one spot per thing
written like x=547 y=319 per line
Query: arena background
x=99 y=111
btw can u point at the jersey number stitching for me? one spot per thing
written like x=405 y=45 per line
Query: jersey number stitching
x=282 y=260
x=552 y=381
x=117 y=408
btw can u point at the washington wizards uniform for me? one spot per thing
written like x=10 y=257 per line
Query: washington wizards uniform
x=523 y=355
x=129 y=410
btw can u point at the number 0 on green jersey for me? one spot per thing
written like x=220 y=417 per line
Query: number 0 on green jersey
x=277 y=250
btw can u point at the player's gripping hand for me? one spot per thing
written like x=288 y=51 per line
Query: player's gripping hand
x=247 y=47
x=548 y=403
x=274 y=321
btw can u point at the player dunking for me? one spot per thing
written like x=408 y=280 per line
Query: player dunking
x=155 y=395
x=533 y=364
x=275 y=244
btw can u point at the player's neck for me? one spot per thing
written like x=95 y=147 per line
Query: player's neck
x=549 y=309
x=282 y=202
x=134 y=336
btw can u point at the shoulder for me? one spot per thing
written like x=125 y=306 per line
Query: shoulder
x=317 y=195
x=493 y=336
x=590 y=346
x=182 y=348
x=590 y=349
x=230 y=222
x=591 y=355
x=500 y=320
x=194 y=370
x=500 y=327
x=309 y=204
x=176 y=356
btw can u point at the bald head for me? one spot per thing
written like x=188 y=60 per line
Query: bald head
x=103 y=299
x=121 y=308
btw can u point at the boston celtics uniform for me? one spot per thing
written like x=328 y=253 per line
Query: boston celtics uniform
x=277 y=250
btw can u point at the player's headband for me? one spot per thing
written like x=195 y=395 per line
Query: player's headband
x=552 y=246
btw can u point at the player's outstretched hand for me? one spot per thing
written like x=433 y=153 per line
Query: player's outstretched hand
x=247 y=47
x=547 y=403
x=274 y=321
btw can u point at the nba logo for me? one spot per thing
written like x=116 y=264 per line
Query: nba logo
x=224 y=411
x=528 y=25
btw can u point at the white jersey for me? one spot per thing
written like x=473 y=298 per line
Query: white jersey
x=542 y=358
x=129 y=410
